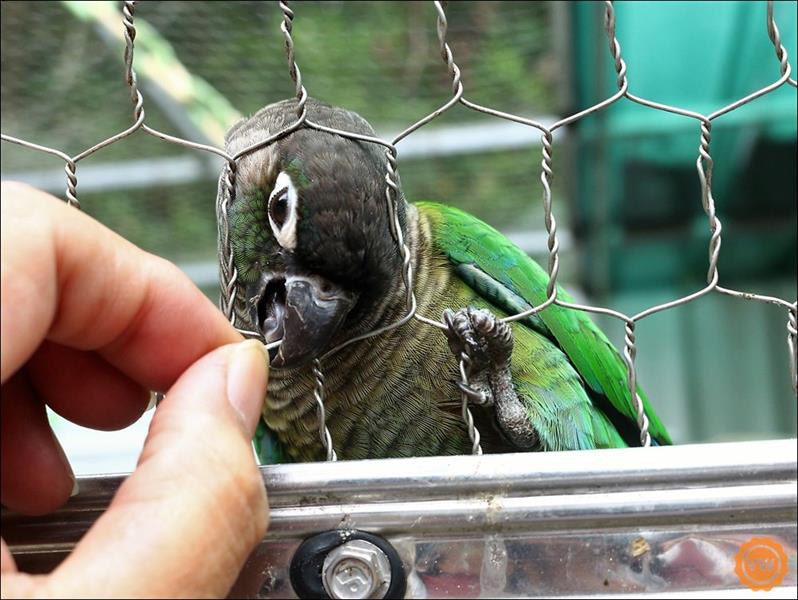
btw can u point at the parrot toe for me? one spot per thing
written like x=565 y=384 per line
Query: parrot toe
x=484 y=338
x=494 y=335
x=460 y=333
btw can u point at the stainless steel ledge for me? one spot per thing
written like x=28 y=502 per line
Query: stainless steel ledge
x=561 y=523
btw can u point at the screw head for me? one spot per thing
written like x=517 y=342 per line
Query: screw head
x=357 y=569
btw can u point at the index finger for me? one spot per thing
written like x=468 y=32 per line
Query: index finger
x=69 y=279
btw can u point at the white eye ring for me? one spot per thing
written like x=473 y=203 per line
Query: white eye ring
x=284 y=232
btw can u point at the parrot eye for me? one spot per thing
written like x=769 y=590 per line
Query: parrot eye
x=282 y=211
x=278 y=207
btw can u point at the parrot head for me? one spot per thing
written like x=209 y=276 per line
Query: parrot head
x=309 y=230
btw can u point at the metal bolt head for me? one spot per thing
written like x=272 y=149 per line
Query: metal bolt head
x=356 y=569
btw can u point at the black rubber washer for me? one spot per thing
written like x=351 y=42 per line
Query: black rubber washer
x=309 y=558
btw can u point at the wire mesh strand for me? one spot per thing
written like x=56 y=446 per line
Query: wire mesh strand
x=318 y=396
x=469 y=396
x=227 y=270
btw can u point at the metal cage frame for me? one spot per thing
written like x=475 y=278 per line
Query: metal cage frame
x=656 y=521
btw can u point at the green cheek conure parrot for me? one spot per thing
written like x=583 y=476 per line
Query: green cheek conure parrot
x=317 y=265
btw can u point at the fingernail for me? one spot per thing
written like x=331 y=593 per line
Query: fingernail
x=62 y=455
x=153 y=401
x=75 y=489
x=247 y=378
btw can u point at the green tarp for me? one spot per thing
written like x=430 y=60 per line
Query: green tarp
x=637 y=165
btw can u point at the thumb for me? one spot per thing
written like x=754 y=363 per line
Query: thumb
x=186 y=520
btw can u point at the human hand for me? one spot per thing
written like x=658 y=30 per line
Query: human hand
x=90 y=323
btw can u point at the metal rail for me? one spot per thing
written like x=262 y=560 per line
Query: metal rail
x=664 y=521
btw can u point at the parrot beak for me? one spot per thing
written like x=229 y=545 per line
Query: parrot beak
x=303 y=312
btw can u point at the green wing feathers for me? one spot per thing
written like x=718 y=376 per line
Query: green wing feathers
x=510 y=280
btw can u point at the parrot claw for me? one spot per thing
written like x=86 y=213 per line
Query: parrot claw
x=475 y=396
x=485 y=339
x=485 y=342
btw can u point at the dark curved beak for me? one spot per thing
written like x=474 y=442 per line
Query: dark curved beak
x=305 y=312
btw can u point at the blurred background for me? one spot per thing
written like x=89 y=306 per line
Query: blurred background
x=626 y=192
